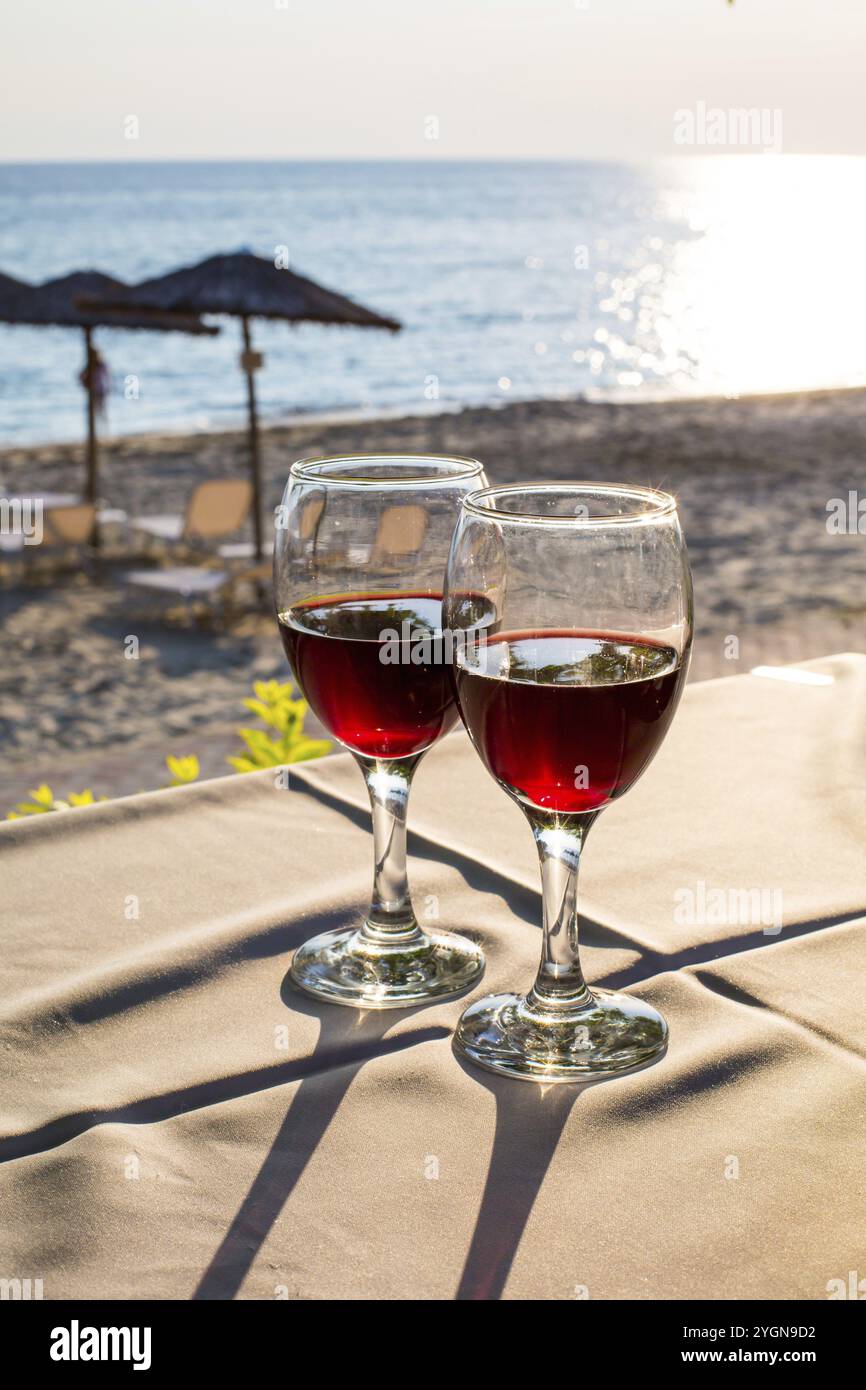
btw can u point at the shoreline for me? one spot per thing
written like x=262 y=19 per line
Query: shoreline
x=360 y=416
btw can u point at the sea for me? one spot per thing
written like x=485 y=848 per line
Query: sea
x=720 y=275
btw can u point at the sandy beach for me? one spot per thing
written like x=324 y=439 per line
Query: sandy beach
x=753 y=476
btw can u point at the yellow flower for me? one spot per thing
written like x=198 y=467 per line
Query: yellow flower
x=182 y=770
x=85 y=798
x=43 y=800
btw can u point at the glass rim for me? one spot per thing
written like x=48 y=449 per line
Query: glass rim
x=311 y=469
x=661 y=504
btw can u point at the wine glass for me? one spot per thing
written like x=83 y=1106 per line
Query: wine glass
x=567 y=693
x=359 y=564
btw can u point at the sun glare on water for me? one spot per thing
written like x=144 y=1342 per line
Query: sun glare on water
x=765 y=291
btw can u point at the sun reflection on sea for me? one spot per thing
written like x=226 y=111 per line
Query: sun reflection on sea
x=761 y=288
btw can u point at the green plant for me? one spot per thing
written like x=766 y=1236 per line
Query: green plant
x=278 y=710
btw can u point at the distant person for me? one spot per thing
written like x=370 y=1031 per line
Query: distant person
x=96 y=378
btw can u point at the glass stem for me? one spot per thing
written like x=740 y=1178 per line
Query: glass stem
x=559 y=839
x=391 y=916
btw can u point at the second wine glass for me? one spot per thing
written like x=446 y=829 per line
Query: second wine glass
x=359 y=565
x=567 y=694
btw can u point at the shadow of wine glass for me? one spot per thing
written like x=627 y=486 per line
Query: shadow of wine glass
x=347 y=1039
x=530 y=1120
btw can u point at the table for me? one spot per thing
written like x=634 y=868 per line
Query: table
x=178 y=1122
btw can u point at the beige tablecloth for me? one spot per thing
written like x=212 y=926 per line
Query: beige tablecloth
x=176 y=1120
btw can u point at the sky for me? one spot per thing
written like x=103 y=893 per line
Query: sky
x=413 y=79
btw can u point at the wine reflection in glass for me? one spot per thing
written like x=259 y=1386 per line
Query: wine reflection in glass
x=567 y=694
x=359 y=564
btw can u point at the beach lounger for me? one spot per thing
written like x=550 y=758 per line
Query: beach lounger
x=399 y=537
x=64 y=525
x=215 y=508
x=242 y=550
x=311 y=513
x=71 y=525
x=191 y=583
x=112 y=516
x=67 y=526
x=11 y=542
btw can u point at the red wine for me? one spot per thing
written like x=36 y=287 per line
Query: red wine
x=567 y=720
x=386 y=697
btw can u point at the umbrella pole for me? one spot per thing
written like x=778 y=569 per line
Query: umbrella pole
x=92 y=442
x=255 y=461
x=90 y=490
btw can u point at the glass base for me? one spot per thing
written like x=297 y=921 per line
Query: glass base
x=609 y=1035
x=355 y=967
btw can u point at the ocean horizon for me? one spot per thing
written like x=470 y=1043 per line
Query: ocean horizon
x=513 y=280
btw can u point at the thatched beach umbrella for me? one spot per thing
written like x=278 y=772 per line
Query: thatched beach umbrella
x=9 y=287
x=246 y=287
x=55 y=303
